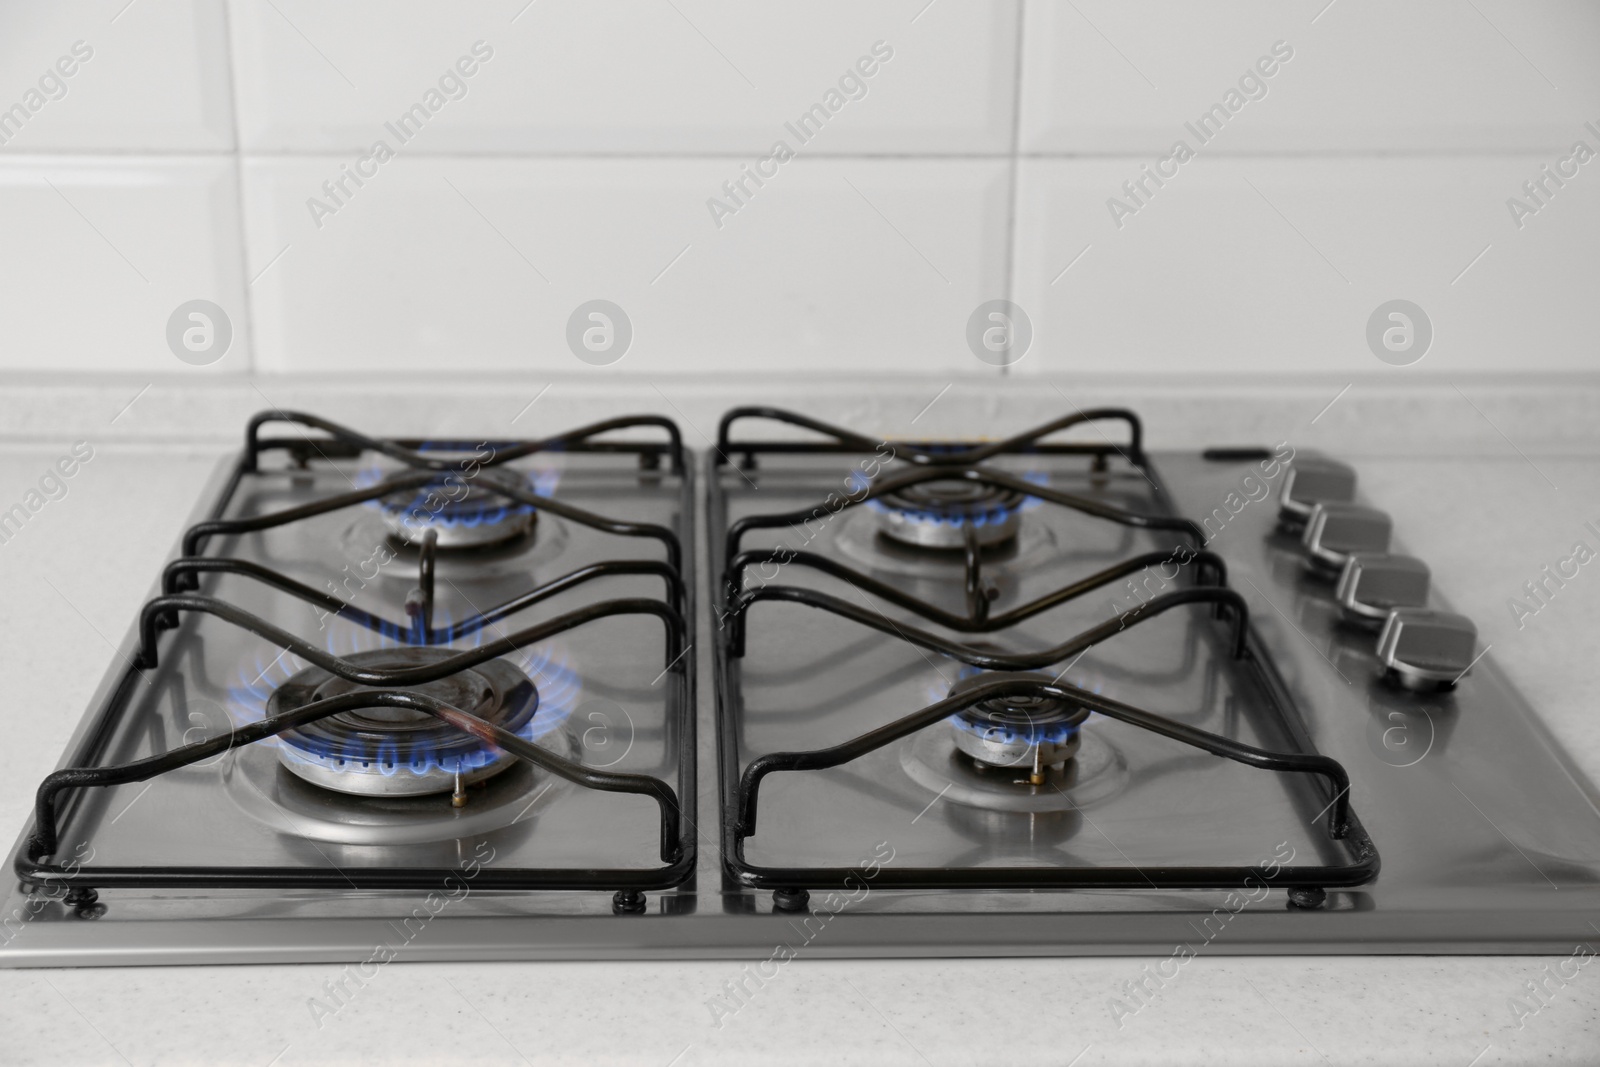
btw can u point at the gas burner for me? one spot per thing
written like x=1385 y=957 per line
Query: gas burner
x=397 y=751
x=476 y=518
x=1096 y=773
x=1033 y=732
x=937 y=514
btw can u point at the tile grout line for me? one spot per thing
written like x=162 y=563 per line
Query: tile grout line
x=1014 y=167
x=1455 y=154
x=242 y=256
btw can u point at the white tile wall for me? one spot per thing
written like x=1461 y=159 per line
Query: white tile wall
x=627 y=76
x=143 y=77
x=577 y=160
x=98 y=253
x=1274 y=265
x=1423 y=76
x=835 y=265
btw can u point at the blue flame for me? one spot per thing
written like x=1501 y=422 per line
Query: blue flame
x=1053 y=734
x=858 y=482
x=559 y=689
x=558 y=683
x=1039 y=478
x=345 y=637
x=542 y=481
x=247 y=701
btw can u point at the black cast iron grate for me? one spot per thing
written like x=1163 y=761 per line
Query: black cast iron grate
x=927 y=461
x=424 y=462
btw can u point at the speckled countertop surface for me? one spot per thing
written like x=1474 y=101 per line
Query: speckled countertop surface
x=1486 y=502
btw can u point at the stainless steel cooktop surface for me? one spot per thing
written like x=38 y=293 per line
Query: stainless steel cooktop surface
x=1043 y=696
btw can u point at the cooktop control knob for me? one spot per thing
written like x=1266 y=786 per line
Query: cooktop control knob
x=1373 y=584
x=1427 y=650
x=1334 y=531
x=1314 y=480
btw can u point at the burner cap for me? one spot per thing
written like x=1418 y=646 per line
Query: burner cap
x=474 y=518
x=383 y=751
x=1016 y=731
x=938 y=513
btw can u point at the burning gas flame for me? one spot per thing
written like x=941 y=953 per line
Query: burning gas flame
x=1053 y=734
x=548 y=664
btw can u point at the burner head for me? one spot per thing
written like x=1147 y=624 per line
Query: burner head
x=1030 y=732
x=397 y=751
x=938 y=514
x=464 y=513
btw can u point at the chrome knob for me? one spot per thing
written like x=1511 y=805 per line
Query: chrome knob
x=1371 y=585
x=1314 y=480
x=1335 y=531
x=1427 y=650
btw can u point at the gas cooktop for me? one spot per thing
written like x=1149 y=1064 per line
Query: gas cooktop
x=1044 y=695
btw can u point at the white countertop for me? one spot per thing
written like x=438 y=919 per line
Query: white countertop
x=1484 y=514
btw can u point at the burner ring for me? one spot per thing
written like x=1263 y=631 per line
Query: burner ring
x=381 y=751
x=1014 y=731
x=1097 y=772
x=471 y=519
x=938 y=513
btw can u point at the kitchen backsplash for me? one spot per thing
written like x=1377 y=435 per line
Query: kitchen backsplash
x=664 y=187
